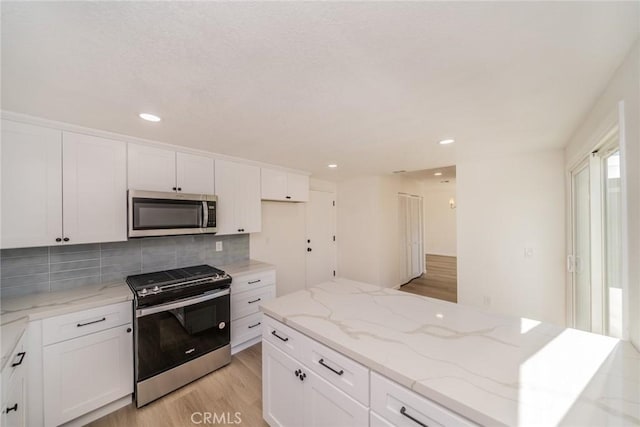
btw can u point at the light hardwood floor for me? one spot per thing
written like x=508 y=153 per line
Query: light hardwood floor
x=440 y=281
x=235 y=388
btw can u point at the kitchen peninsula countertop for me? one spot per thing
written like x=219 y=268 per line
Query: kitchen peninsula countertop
x=17 y=312
x=492 y=369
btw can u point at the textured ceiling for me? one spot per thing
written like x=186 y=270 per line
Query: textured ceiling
x=370 y=86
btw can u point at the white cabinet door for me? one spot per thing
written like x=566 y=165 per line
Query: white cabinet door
x=248 y=205
x=238 y=190
x=282 y=391
x=151 y=168
x=194 y=174
x=297 y=187
x=274 y=184
x=31 y=185
x=326 y=406
x=14 y=397
x=86 y=373
x=94 y=189
x=225 y=173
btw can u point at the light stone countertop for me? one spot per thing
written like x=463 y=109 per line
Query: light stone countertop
x=17 y=312
x=492 y=369
x=249 y=266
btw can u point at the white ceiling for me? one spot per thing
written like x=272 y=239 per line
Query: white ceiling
x=370 y=86
x=448 y=174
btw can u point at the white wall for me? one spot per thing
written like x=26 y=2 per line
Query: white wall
x=507 y=204
x=368 y=234
x=282 y=243
x=624 y=86
x=439 y=219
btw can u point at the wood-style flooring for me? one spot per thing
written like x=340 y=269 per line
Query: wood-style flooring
x=235 y=388
x=440 y=280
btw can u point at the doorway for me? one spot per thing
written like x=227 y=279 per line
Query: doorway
x=321 y=237
x=595 y=261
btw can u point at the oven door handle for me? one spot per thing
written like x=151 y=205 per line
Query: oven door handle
x=141 y=312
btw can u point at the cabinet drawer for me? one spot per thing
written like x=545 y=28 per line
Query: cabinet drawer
x=246 y=328
x=284 y=338
x=248 y=302
x=341 y=371
x=67 y=326
x=389 y=398
x=252 y=281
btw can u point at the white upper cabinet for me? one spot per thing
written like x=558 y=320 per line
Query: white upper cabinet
x=151 y=168
x=194 y=174
x=94 y=189
x=31 y=185
x=157 y=169
x=284 y=186
x=238 y=190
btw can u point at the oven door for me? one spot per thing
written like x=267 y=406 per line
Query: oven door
x=153 y=213
x=172 y=334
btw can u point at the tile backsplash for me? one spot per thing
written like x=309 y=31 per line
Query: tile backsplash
x=46 y=269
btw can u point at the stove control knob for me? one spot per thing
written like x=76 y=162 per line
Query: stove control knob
x=143 y=291
x=156 y=288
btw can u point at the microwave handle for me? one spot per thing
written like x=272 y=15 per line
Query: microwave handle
x=205 y=214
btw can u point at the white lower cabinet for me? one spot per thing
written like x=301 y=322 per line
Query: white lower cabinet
x=295 y=396
x=247 y=293
x=14 y=388
x=376 y=420
x=87 y=371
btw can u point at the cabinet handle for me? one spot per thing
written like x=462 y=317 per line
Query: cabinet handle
x=340 y=372
x=91 y=323
x=19 y=362
x=253 y=326
x=58 y=239
x=278 y=336
x=288 y=197
x=255 y=300
x=403 y=411
x=175 y=188
x=309 y=249
x=253 y=281
x=66 y=239
x=11 y=408
x=179 y=188
x=129 y=330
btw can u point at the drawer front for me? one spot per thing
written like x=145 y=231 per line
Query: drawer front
x=73 y=325
x=376 y=420
x=341 y=371
x=246 y=328
x=404 y=408
x=252 y=281
x=248 y=302
x=284 y=338
x=16 y=362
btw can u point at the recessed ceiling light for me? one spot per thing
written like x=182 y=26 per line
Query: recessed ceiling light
x=446 y=141
x=149 y=117
x=438 y=174
x=332 y=166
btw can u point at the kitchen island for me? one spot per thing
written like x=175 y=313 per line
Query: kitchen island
x=487 y=368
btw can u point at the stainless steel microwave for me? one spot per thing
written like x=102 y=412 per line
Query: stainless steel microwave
x=154 y=213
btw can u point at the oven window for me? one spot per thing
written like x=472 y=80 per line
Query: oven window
x=170 y=338
x=149 y=214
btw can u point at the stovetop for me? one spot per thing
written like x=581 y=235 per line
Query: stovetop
x=170 y=285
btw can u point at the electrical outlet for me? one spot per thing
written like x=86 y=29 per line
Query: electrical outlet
x=218 y=246
x=528 y=252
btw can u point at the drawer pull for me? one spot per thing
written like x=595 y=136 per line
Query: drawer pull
x=253 y=326
x=11 y=408
x=254 y=281
x=91 y=323
x=403 y=411
x=340 y=372
x=278 y=336
x=19 y=362
x=255 y=300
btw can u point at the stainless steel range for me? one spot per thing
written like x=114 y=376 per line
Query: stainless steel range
x=182 y=329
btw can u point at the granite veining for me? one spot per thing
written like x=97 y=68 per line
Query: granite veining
x=492 y=369
x=17 y=312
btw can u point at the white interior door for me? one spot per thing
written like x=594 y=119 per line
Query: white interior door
x=581 y=262
x=321 y=229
